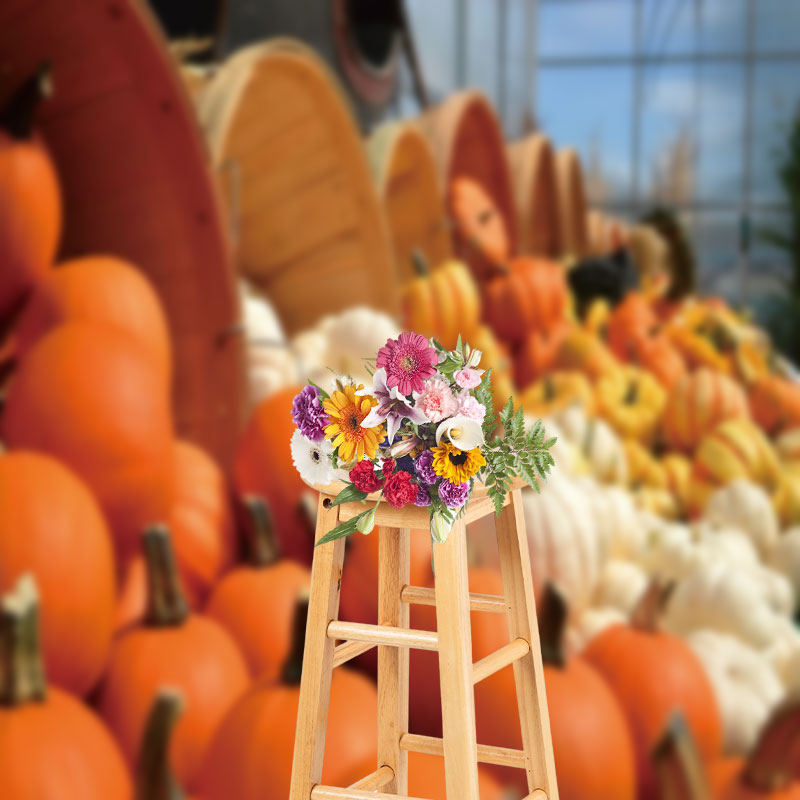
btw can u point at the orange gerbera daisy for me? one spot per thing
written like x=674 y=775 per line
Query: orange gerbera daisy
x=347 y=411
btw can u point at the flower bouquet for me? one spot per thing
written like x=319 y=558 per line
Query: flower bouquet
x=422 y=434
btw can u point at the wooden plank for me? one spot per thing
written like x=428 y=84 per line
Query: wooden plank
x=334 y=793
x=494 y=662
x=346 y=651
x=383 y=635
x=375 y=780
x=487 y=754
x=512 y=545
x=423 y=596
x=455 y=665
x=315 y=684
x=393 y=574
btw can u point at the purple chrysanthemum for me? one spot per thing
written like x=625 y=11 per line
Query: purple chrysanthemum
x=423 y=497
x=408 y=361
x=423 y=466
x=309 y=415
x=454 y=495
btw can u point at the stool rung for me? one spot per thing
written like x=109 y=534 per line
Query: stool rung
x=375 y=780
x=494 y=662
x=345 y=651
x=383 y=634
x=335 y=793
x=487 y=754
x=422 y=596
x=536 y=794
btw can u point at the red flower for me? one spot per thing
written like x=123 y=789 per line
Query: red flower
x=364 y=477
x=399 y=490
x=388 y=466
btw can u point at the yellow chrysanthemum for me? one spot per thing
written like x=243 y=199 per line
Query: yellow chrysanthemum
x=346 y=411
x=457 y=466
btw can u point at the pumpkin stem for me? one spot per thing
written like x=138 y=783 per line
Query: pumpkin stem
x=22 y=677
x=632 y=393
x=17 y=116
x=420 y=263
x=549 y=389
x=552 y=624
x=154 y=778
x=293 y=667
x=648 y=609
x=259 y=531
x=770 y=767
x=166 y=602
x=678 y=766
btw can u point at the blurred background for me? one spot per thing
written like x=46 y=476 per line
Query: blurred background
x=203 y=205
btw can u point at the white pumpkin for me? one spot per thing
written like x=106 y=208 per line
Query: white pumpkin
x=563 y=451
x=598 y=443
x=588 y=624
x=562 y=539
x=783 y=654
x=670 y=550
x=724 y=599
x=621 y=585
x=744 y=505
x=617 y=519
x=785 y=557
x=746 y=686
x=270 y=363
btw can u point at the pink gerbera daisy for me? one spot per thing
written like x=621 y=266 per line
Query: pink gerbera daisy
x=408 y=361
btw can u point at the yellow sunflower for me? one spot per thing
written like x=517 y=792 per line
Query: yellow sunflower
x=457 y=466
x=346 y=411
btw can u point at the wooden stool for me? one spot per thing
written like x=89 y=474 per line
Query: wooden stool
x=453 y=641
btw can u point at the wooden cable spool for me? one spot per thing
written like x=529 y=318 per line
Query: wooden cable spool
x=533 y=173
x=571 y=203
x=310 y=231
x=410 y=191
x=467 y=140
x=136 y=183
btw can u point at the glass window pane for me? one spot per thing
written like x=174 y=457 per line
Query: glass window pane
x=435 y=29
x=481 y=46
x=585 y=27
x=716 y=241
x=724 y=25
x=766 y=256
x=668 y=27
x=590 y=109
x=721 y=149
x=774 y=103
x=668 y=135
x=777 y=24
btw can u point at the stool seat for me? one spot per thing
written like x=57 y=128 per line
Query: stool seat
x=331 y=642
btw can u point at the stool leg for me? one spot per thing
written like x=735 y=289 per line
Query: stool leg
x=455 y=666
x=512 y=545
x=315 y=685
x=393 y=575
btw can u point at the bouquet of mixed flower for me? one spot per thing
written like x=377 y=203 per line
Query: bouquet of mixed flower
x=421 y=434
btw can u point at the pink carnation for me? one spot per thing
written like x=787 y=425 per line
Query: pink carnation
x=437 y=400
x=468 y=406
x=468 y=378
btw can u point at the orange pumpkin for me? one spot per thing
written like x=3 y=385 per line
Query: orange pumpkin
x=51 y=744
x=263 y=468
x=699 y=349
x=633 y=319
x=658 y=356
x=443 y=303
x=263 y=722
x=30 y=198
x=171 y=648
x=91 y=397
x=697 y=404
x=537 y=355
x=555 y=391
x=653 y=675
x=529 y=294
x=482 y=237
x=239 y=599
x=51 y=526
x=103 y=290
x=775 y=403
x=584 y=351
x=592 y=745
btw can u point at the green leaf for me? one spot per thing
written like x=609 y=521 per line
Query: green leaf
x=322 y=392
x=345 y=529
x=348 y=495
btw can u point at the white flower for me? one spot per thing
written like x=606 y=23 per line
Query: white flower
x=312 y=459
x=440 y=528
x=474 y=358
x=461 y=431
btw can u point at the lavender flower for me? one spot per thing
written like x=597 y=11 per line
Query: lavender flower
x=423 y=498
x=454 y=495
x=308 y=414
x=423 y=466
